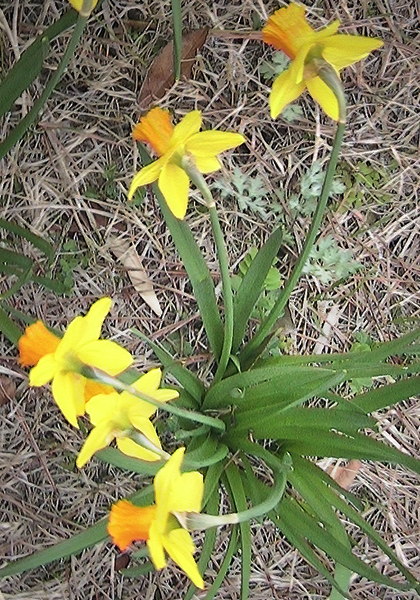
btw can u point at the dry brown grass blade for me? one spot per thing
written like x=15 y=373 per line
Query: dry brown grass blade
x=130 y=259
x=160 y=77
x=7 y=389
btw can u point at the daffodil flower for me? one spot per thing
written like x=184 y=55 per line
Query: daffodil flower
x=116 y=416
x=171 y=143
x=288 y=30
x=175 y=492
x=60 y=360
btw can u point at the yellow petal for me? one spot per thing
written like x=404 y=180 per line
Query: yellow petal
x=325 y=97
x=209 y=143
x=68 y=392
x=165 y=478
x=43 y=372
x=130 y=448
x=129 y=523
x=287 y=29
x=149 y=382
x=70 y=339
x=187 y=493
x=284 y=91
x=78 y=4
x=146 y=175
x=94 y=319
x=207 y=164
x=155 y=128
x=344 y=50
x=174 y=184
x=36 y=342
x=180 y=547
x=187 y=126
x=100 y=437
x=155 y=546
x=105 y=355
x=103 y=407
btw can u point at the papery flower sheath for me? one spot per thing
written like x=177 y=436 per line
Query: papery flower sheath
x=117 y=415
x=288 y=30
x=171 y=143
x=61 y=360
x=175 y=492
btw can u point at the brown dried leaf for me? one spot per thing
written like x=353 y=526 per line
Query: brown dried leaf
x=160 y=77
x=130 y=259
x=7 y=389
x=345 y=476
x=121 y=562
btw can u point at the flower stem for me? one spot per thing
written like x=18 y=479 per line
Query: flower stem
x=250 y=352
x=222 y=255
x=102 y=377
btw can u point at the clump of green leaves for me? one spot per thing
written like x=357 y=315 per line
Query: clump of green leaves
x=363 y=181
x=71 y=257
x=274 y=67
x=362 y=343
x=250 y=193
x=329 y=263
x=310 y=189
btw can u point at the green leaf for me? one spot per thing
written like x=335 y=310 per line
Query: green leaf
x=190 y=382
x=286 y=384
x=240 y=503
x=300 y=543
x=224 y=566
x=204 y=451
x=252 y=284
x=387 y=395
x=324 y=488
x=292 y=422
x=9 y=329
x=309 y=442
x=30 y=63
x=34 y=239
x=177 y=36
x=78 y=542
x=112 y=456
x=306 y=526
x=212 y=508
x=15 y=258
x=196 y=268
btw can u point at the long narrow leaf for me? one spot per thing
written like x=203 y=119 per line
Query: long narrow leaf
x=30 y=63
x=239 y=500
x=197 y=270
x=309 y=442
x=9 y=329
x=224 y=567
x=387 y=395
x=86 y=538
x=34 y=239
x=177 y=37
x=251 y=285
x=289 y=383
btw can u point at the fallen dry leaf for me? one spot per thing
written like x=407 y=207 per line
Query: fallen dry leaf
x=7 y=389
x=160 y=77
x=345 y=476
x=129 y=258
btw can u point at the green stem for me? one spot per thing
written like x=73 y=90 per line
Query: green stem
x=102 y=377
x=222 y=255
x=23 y=125
x=249 y=353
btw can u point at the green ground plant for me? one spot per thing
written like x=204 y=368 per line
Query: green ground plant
x=253 y=430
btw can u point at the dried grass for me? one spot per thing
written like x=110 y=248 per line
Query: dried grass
x=44 y=182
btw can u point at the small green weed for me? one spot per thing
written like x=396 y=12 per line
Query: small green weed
x=329 y=263
x=71 y=257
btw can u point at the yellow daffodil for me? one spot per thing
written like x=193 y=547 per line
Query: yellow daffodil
x=78 y=5
x=171 y=143
x=175 y=492
x=60 y=360
x=116 y=416
x=288 y=30
x=37 y=341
